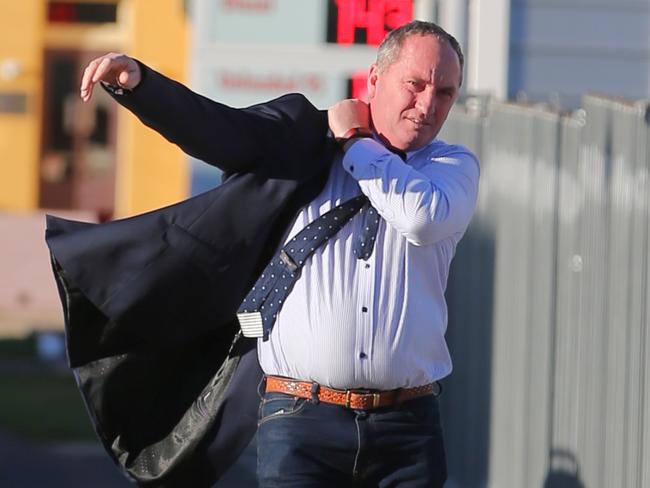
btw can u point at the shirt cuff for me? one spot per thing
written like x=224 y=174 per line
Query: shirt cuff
x=114 y=89
x=361 y=158
x=348 y=144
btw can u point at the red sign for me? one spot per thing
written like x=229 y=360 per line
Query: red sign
x=358 y=85
x=68 y=12
x=374 y=18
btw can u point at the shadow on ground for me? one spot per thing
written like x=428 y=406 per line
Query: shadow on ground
x=82 y=465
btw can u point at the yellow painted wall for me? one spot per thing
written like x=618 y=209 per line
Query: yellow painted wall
x=151 y=172
x=21 y=34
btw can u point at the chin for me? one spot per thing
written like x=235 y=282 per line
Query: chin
x=415 y=141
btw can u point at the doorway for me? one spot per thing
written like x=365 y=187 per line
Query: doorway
x=77 y=165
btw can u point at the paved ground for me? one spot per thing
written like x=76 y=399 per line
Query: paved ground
x=27 y=465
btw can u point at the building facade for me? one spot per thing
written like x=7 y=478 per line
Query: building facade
x=87 y=161
x=59 y=153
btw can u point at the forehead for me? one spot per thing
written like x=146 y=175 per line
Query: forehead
x=427 y=57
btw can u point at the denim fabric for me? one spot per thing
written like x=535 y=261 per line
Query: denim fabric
x=306 y=445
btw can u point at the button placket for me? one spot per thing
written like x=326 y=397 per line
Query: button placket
x=365 y=294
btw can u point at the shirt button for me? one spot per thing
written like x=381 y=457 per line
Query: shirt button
x=352 y=169
x=364 y=309
x=367 y=265
x=363 y=355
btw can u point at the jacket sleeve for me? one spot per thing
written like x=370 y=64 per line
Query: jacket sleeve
x=283 y=131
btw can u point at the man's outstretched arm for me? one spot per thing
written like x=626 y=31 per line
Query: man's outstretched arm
x=276 y=137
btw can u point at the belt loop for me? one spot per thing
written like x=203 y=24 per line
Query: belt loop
x=315 y=387
x=261 y=387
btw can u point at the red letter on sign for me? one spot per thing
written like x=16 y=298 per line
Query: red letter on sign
x=397 y=13
x=377 y=17
x=359 y=85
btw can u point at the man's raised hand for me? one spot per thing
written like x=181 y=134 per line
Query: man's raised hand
x=115 y=69
x=348 y=114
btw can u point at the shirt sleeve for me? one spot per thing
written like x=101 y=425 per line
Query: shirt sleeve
x=426 y=205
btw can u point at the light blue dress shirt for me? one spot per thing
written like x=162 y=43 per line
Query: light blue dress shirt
x=380 y=323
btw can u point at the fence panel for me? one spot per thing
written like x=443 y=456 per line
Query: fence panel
x=622 y=353
x=465 y=405
x=522 y=185
x=639 y=450
x=563 y=449
x=594 y=170
x=548 y=300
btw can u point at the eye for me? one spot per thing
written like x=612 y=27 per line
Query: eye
x=414 y=84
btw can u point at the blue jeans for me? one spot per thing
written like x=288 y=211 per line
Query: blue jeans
x=304 y=445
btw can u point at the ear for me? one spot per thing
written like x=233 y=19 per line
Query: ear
x=372 y=81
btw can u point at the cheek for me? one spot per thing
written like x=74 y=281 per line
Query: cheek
x=446 y=104
x=400 y=103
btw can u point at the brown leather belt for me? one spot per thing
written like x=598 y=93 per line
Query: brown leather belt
x=354 y=399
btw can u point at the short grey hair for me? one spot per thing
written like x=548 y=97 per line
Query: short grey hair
x=391 y=46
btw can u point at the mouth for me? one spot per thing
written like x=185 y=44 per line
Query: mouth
x=418 y=123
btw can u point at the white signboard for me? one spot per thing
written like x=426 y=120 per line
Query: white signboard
x=249 y=51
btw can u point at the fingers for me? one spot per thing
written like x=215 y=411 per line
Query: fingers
x=348 y=114
x=112 y=68
x=88 y=80
x=102 y=69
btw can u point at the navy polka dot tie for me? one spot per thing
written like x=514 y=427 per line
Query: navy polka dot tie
x=259 y=309
x=365 y=242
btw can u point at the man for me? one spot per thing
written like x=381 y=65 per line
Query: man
x=354 y=354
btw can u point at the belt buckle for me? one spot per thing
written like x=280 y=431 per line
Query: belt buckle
x=376 y=397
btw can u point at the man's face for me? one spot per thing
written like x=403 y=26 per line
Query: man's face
x=411 y=98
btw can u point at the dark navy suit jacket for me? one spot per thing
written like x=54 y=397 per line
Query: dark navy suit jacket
x=150 y=301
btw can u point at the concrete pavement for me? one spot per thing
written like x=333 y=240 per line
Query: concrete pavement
x=27 y=465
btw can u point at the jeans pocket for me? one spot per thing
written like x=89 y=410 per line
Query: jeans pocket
x=422 y=410
x=279 y=405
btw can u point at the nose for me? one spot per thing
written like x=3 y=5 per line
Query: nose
x=425 y=104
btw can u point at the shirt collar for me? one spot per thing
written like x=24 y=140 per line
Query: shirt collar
x=410 y=154
x=404 y=155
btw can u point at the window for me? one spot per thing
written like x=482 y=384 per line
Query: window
x=81 y=12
